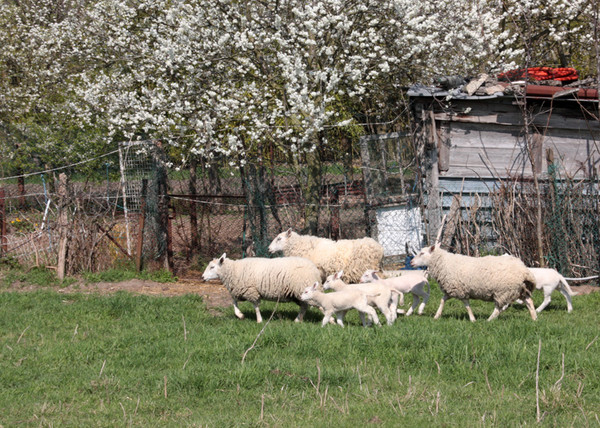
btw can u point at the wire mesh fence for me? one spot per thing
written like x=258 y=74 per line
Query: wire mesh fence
x=215 y=209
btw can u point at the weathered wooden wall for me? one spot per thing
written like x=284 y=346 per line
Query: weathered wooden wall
x=470 y=144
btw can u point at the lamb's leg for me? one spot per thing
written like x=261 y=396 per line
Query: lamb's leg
x=469 y=311
x=546 y=301
x=531 y=307
x=414 y=305
x=369 y=310
x=257 y=310
x=568 y=297
x=340 y=317
x=394 y=302
x=385 y=310
x=425 y=299
x=398 y=300
x=366 y=321
x=441 y=307
x=303 y=308
x=236 y=310
x=326 y=317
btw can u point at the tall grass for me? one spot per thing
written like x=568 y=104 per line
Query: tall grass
x=89 y=360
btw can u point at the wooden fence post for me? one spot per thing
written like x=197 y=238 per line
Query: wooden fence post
x=3 y=237
x=63 y=226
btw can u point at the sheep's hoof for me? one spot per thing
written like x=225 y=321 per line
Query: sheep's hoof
x=400 y=311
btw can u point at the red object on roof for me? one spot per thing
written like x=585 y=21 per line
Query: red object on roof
x=564 y=74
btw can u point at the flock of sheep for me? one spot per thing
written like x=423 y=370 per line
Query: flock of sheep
x=349 y=269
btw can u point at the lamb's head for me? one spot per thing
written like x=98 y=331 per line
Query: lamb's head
x=309 y=292
x=213 y=269
x=370 y=275
x=423 y=257
x=280 y=241
x=332 y=279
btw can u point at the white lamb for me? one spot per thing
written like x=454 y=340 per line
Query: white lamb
x=412 y=281
x=339 y=302
x=255 y=278
x=501 y=279
x=380 y=295
x=549 y=280
x=353 y=256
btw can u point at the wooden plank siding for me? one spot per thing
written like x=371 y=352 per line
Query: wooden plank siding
x=489 y=141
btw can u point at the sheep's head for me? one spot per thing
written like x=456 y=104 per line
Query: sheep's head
x=213 y=269
x=309 y=292
x=331 y=279
x=370 y=275
x=424 y=256
x=280 y=241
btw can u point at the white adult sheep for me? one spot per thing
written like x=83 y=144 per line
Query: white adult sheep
x=501 y=279
x=353 y=256
x=339 y=302
x=411 y=281
x=255 y=278
x=380 y=295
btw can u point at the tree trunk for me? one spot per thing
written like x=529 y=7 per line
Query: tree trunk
x=312 y=194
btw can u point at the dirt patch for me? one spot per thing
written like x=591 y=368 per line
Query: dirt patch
x=584 y=289
x=214 y=294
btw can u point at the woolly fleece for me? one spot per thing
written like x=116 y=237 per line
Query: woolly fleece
x=501 y=279
x=256 y=278
x=353 y=256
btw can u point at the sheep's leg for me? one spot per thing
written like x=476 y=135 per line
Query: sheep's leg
x=236 y=310
x=568 y=297
x=545 y=303
x=326 y=317
x=441 y=307
x=469 y=311
x=531 y=307
x=340 y=317
x=257 y=310
x=371 y=312
x=495 y=312
x=425 y=299
x=397 y=300
x=385 y=310
x=393 y=307
x=366 y=321
x=303 y=308
x=414 y=305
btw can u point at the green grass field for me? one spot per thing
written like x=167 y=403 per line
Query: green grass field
x=119 y=360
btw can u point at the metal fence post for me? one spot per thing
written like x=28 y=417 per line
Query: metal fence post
x=3 y=237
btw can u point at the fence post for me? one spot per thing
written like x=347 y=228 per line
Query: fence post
x=3 y=238
x=140 y=242
x=63 y=226
x=334 y=220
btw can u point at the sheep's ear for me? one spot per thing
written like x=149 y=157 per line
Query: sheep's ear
x=339 y=274
x=222 y=258
x=432 y=248
x=288 y=232
x=374 y=275
x=315 y=285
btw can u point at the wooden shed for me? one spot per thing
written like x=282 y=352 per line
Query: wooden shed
x=471 y=139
